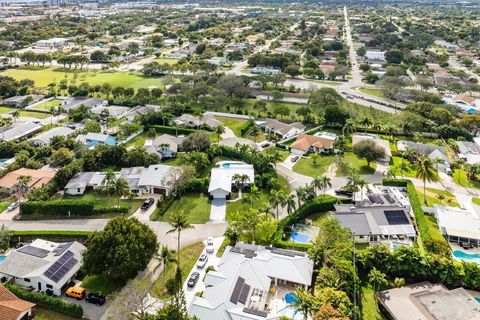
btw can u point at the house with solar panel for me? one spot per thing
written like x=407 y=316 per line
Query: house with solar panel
x=43 y=265
x=253 y=282
x=383 y=215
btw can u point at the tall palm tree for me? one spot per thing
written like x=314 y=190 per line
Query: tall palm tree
x=254 y=132
x=109 y=183
x=254 y=194
x=166 y=256
x=121 y=189
x=277 y=198
x=325 y=183
x=219 y=130
x=301 y=192
x=179 y=222
x=403 y=166
x=390 y=173
x=377 y=279
x=305 y=303
x=240 y=179
x=15 y=115
x=426 y=172
x=349 y=127
x=21 y=187
x=290 y=203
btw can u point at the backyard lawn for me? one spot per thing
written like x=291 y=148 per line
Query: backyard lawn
x=102 y=201
x=48 y=105
x=195 y=205
x=101 y=284
x=235 y=124
x=350 y=161
x=437 y=196
x=188 y=257
x=411 y=172
x=45 y=76
x=460 y=177
x=307 y=167
x=44 y=314
x=4 y=204
x=34 y=114
x=369 y=307
x=138 y=141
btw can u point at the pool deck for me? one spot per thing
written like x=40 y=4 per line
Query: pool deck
x=456 y=247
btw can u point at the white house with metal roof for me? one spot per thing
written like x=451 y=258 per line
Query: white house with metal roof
x=43 y=265
x=253 y=282
x=19 y=131
x=222 y=177
x=44 y=138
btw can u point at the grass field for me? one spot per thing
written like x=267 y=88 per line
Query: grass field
x=437 y=196
x=101 y=284
x=188 y=257
x=350 y=161
x=271 y=106
x=4 y=205
x=44 y=314
x=105 y=201
x=166 y=60
x=372 y=91
x=23 y=113
x=195 y=205
x=460 y=177
x=45 y=76
x=411 y=172
x=48 y=105
x=235 y=124
x=306 y=166
x=369 y=307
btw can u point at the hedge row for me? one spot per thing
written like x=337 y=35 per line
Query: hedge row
x=162 y=207
x=74 y=207
x=319 y=204
x=101 y=210
x=170 y=130
x=196 y=185
x=435 y=246
x=47 y=302
x=245 y=127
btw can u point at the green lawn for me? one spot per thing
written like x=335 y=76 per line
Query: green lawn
x=48 y=105
x=4 y=205
x=44 y=314
x=369 y=307
x=432 y=197
x=433 y=227
x=101 y=284
x=460 y=177
x=395 y=162
x=138 y=141
x=45 y=76
x=188 y=257
x=166 y=60
x=349 y=160
x=307 y=167
x=235 y=124
x=195 y=205
x=372 y=91
x=271 y=106
x=34 y=114
x=104 y=201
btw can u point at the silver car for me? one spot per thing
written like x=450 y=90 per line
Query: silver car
x=210 y=246
x=202 y=261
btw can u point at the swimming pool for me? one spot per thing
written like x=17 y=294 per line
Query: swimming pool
x=468 y=257
x=2 y=258
x=290 y=297
x=478 y=299
x=299 y=237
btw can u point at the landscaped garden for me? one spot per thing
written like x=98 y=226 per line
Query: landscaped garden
x=350 y=161
x=195 y=205
x=460 y=177
x=436 y=196
x=235 y=124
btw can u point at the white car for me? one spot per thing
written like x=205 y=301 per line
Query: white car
x=202 y=261
x=210 y=246
x=13 y=206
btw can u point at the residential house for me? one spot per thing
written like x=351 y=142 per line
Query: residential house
x=190 y=121
x=75 y=102
x=445 y=44
x=14 y=308
x=426 y=301
x=251 y=283
x=222 y=175
x=318 y=144
x=283 y=130
x=165 y=145
x=38 y=179
x=43 y=265
x=233 y=142
x=44 y=138
x=437 y=154
x=53 y=43
x=116 y=112
x=469 y=151
x=380 y=218
x=20 y=130
x=384 y=144
x=155 y=179
x=21 y=101
x=265 y=70
x=375 y=55
x=92 y=139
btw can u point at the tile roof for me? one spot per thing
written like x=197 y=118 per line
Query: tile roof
x=39 y=177
x=304 y=142
x=12 y=307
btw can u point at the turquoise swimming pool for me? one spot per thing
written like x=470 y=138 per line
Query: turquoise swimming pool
x=2 y=258
x=290 y=297
x=468 y=257
x=299 y=237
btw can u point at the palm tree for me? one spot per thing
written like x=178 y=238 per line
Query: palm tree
x=21 y=187
x=290 y=203
x=166 y=256
x=277 y=198
x=377 y=279
x=301 y=192
x=219 y=130
x=15 y=115
x=314 y=157
x=390 y=173
x=460 y=163
x=254 y=132
x=240 y=179
x=179 y=221
x=403 y=166
x=390 y=130
x=305 y=303
x=121 y=189
x=349 y=127
x=109 y=183
x=366 y=123
x=254 y=194
x=426 y=172
x=325 y=183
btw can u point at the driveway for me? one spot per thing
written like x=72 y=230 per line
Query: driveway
x=218 y=210
x=144 y=215
x=228 y=133
x=90 y=311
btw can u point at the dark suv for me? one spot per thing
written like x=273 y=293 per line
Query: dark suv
x=95 y=298
x=147 y=203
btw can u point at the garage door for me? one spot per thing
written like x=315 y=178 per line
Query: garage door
x=158 y=190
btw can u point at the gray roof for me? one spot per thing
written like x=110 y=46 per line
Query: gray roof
x=280 y=127
x=45 y=137
x=232 y=142
x=422 y=148
x=80 y=180
x=19 y=130
x=113 y=111
x=172 y=141
x=132 y=176
x=75 y=102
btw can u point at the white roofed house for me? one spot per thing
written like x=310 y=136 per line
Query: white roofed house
x=224 y=174
x=164 y=145
x=190 y=121
x=253 y=282
x=283 y=130
x=19 y=131
x=43 y=265
x=45 y=137
x=116 y=112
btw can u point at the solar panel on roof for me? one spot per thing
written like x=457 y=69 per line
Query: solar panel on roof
x=256 y=312
x=236 y=290
x=395 y=217
x=34 y=251
x=61 y=248
x=244 y=294
x=63 y=265
x=283 y=252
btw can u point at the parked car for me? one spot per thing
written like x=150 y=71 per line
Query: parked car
x=210 y=246
x=95 y=298
x=294 y=159
x=265 y=144
x=75 y=292
x=71 y=126
x=202 y=261
x=349 y=96
x=147 y=203
x=343 y=192
x=192 y=281
x=13 y=205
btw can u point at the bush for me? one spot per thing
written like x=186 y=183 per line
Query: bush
x=245 y=127
x=47 y=302
x=170 y=130
x=435 y=246
x=196 y=185
x=110 y=210
x=74 y=207
x=163 y=206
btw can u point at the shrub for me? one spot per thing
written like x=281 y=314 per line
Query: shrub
x=101 y=210
x=245 y=127
x=47 y=302
x=170 y=130
x=74 y=207
x=163 y=206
